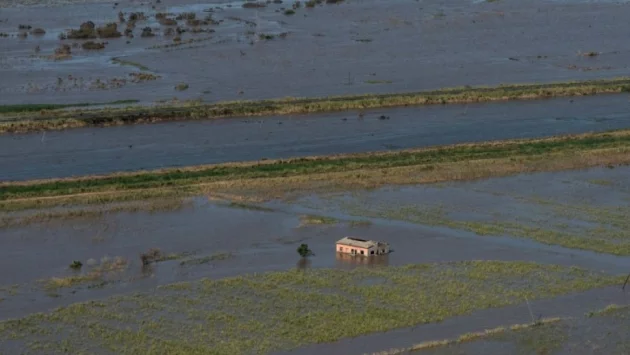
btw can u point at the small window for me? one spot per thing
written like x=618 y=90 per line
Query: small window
x=340 y=248
x=372 y=252
x=361 y=252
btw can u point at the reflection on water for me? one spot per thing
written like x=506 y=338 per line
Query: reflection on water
x=344 y=260
x=303 y=264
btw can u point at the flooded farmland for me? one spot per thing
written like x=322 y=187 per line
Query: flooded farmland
x=527 y=264
x=221 y=50
x=100 y=151
x=219 y=242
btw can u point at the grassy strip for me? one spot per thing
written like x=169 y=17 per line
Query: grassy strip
x=312 y=105
x=129 y=63
x=468 y=337
x=86 y=213
x=261 y=313
x=426 y=158
x=4 y=109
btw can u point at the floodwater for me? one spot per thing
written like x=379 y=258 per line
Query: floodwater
x=258 y=240
x=564 y=306
x=349 y=48
x=176 y=144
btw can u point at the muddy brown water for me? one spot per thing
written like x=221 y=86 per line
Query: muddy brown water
x=354 y=47
x=98 y=151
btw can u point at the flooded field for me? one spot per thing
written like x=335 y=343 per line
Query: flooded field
x=129 y=148
x=548 y=238
x=596 y=333
x=582 y=210
x=226 y=50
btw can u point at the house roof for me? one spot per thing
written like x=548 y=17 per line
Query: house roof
x=356 y=242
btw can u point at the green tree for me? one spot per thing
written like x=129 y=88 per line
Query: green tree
x=304 y=251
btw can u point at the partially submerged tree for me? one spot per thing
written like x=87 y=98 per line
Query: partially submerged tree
x=304 y=251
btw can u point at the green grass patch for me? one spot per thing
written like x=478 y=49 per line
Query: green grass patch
x=261 y=313
x=207 y=259
x=425 y=158
x=312 y=105
x=310 y=220
x=129 y=63
x=39 y=107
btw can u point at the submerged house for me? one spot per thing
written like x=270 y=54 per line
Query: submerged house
x=356 y=246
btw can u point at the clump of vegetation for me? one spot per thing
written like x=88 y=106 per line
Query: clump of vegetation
x=333 y=1
x=311 y=3
x=151 y=256
x=24 y=27
x=181 y=87
x=194 y=22
x=137 y=16
x=186 y=16
x=64 y=51
x=315 y=220
x=4 y=35
x=85 y=31
x=165 y=21
x=168 y=32
x=139 y=77
x=155 y=255
x=76 y=264
x=207 y=259
x=590 y=54
x=38 y=32
x=147 y=32
x=266 y=36
x=88 y=30
x=130 y=63
x=91 y=45
x=304 y=250
x=289 y=12
x=110 y=30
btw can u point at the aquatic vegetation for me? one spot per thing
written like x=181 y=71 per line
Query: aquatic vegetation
x=261 y=313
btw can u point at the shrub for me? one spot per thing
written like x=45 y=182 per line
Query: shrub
x=90 y=45
x=304 y=251
x=181 y=87
x=76 y=264
x=165 y=21
x=147 y=32
x=289 y=12
x=85 y=31
x=193 y=22
x=186 y=16
x=38 y=32
x=110 y=30
x=63 y=50
x=151 y=256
